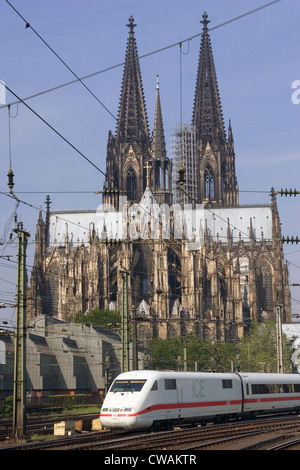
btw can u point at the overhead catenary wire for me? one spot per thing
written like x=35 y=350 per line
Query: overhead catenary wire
x=59 y=134
x=81 y=79
x=63 y=275
x=214 y=28
x=10 y=171
x=83 y=155
x=28 y=25
x=69 y=143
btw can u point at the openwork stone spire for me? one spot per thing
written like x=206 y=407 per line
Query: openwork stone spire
x=207 y=115
x=161 y=165
x=215 y=161
x=132 y=121
x=129 y=150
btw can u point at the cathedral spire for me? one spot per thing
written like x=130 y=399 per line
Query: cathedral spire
x=161 y=164
x=215 y=160
x=132 y=120
x=129 y=150
x=207 y=114
x=158 y=144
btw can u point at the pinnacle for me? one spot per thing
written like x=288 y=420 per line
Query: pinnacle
x=131 y=24
x=205 y=21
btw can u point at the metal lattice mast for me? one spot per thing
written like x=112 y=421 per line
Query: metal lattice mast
x=19 y=396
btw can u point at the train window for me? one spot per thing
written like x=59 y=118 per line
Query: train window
x=170 y=384
x=226 y=383
x=127 y=386
x=154 y=386
x=260 y=389
x=273 y=388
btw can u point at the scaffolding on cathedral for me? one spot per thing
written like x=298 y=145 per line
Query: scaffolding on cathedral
x=183 y=152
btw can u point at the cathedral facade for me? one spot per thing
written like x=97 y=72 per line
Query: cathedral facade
x=205 y=266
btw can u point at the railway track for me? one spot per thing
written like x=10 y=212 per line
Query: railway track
x=42 y=425
x=259 y=434
x=289 y=444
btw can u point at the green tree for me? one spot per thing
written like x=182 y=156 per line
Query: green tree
x=259 y=349
x=201 y=355
x=109 y=319
x=257 y=352
x=7 y=407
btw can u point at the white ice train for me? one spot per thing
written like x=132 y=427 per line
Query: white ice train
x=153 y=399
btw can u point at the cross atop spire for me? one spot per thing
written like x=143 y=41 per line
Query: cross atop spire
x=157 y=82
x=205 y=21
x=131 y=24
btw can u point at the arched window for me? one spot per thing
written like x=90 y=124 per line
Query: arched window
x=172 y=331
x=142 y=335
x=131 y=184
x=209 y=183
x=264 y=283
x=52 y=291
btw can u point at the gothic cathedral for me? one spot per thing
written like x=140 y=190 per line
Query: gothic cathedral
x=195 y=260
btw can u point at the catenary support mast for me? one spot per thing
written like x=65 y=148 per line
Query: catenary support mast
x=19 y=396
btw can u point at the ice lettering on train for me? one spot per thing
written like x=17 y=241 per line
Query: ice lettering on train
x=198 y=388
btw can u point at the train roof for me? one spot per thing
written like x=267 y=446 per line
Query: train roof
x=258 y=376
x=155 y=374
x=261 y=376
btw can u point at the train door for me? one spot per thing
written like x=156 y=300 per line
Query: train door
x=179 y=398
x=179 y=395
x=171 y=399
x=247 y=403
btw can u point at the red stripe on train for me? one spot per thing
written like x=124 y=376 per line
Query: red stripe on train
x=173 y=406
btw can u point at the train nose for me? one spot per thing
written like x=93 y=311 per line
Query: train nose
x=118 y=418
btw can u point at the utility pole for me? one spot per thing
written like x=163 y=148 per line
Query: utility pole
x=185 y=366
x=279 y=341
x=19 y=396
x=124 y=323
x=135 y=363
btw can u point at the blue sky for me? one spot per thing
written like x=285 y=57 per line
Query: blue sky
x=256 y=59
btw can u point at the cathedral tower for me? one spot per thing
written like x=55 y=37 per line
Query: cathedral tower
x=215 y=158
x=129 y=150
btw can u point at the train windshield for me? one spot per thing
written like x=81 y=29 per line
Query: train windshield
x=127 y=385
